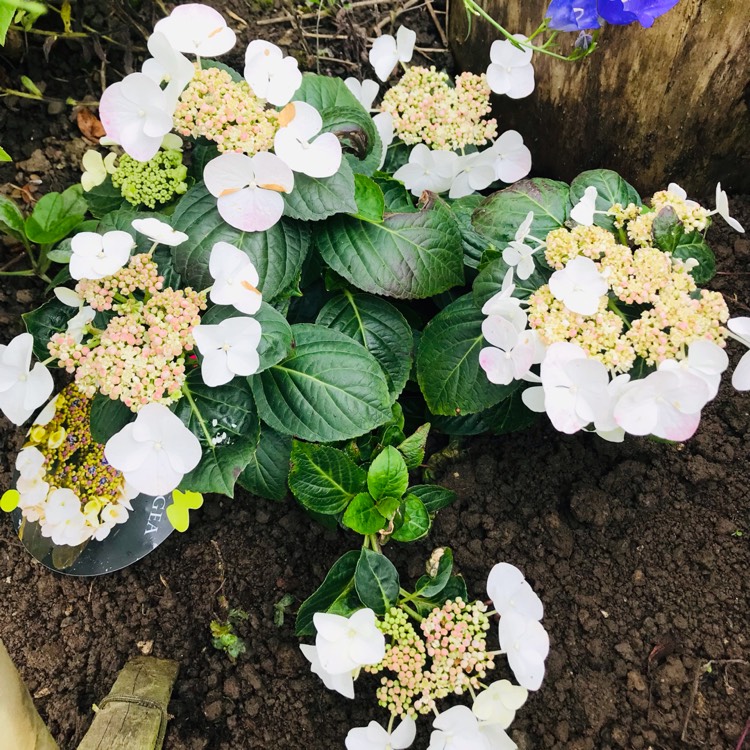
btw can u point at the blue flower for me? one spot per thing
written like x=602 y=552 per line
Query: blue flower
x=579 y=15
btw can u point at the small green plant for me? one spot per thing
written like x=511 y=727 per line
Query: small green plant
x=280 y=608
x=738 y=533
x=224 y=636
x=22 y=12
x=4 y=155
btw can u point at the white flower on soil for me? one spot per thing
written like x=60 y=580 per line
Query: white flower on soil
x=374 y=737
x=23 y=389
x=526 y=645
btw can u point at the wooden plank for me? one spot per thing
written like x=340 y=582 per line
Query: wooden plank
x=21 y=727
x=134 y=714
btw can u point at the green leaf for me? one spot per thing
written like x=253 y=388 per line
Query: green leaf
x=510 y=415
x=376 y=580
x=4 y=155
x=331 y=388
x=103 y=199
x=317 y=198
x=6 y=19
x=52 y=317
x=694 y=246
x=203 y=152
x=11 y=219
x=379 y=327
x=429 y=586
x=433 y=496
x=336 y=585
x=358 y=136
x=490 y=281
x=448 y=368
x=30 y=86
x=369 y=198
x=387 y=506
x=408 y=256
x=266 y=473
x=388 y=475
x=275 y=337
x=610 y=188
x=454 y=589
x=413 y=448
x=499 y=216
x=56 y=215
x=226 y=424
x=277 y=254
x=416 y=521
x=362 y=516
x=667 y=229
x=108 y=416
x=397 y=197
x=324 y=479
x=473 y=243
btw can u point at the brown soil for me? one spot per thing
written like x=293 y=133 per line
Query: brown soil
x=640 y=552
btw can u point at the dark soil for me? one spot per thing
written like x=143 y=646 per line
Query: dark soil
x=641 y=552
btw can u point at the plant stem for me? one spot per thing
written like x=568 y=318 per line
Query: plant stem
x=412 y=613
x=612 y=305
x=27 y=272
x=198 y=415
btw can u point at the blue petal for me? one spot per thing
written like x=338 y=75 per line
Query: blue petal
x=572 y=15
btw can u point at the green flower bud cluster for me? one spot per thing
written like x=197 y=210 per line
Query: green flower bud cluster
x=155 y=181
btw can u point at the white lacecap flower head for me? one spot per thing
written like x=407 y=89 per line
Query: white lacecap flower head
x=375 y=737
x=386 y=51
x=510 y=71
x=248 y=189
x=136 y=114
x=473 y=172
x=159 y=231
x=348 y=643
x=23 y=389
x=296 y=144
x=197 y=29
x=271 y=76
x=96 y=256
x=155 y=451
x=526 y=645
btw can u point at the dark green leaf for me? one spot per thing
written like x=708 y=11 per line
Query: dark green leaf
x=429 y=586
x=362 y=516
x=377 y=582
x=203 y=152
x=413 y=448
x=610 y=188
x=226 y=424
x=433 y=496
x=369 y=199
x=397 y=197
x=358 y=135
x=388 y=475
x=499 y=216
x=408 y=255
x=694 y=246
x=56 y=215
x=473 y=243
x=315 y=198
x=277 y=254
x=108 y=416
x=324 y=479
x=448 y=368
x=667 y=230
x=379 y=327
x=103 y=199
x=330 y=389
x=266 y=473
x=52 y=317
x=416 y=521
x=338 y=582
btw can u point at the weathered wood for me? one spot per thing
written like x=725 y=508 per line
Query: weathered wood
x=21 y=727
x=664 y=104
x=134 y=714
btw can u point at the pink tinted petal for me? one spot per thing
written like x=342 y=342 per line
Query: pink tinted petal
x=269 y=169
x=674 y=425
x=251 y=209
x=497 y=366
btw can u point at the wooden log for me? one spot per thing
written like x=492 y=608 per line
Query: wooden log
x=658 y=105
x=134 y=714
x=21 y=727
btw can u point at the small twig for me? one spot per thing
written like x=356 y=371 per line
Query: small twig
x=744 y=735
x=287 y=18
x=221 y=566
x=436 y=21
x=346 y=63
x=394 y=14
x=313 y=35
x=91 y=588
x=237 y=18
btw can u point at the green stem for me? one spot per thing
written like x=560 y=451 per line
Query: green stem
x=27 y=272
x=198 y=415
x=375 y=544
x=612 y=305
x=622 y=234
x=412 y=613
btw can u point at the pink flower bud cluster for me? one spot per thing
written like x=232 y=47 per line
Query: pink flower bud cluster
x=140 y=274
x=427 y=109
x=139 y=358
x=454 y=639
x=226 y=112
